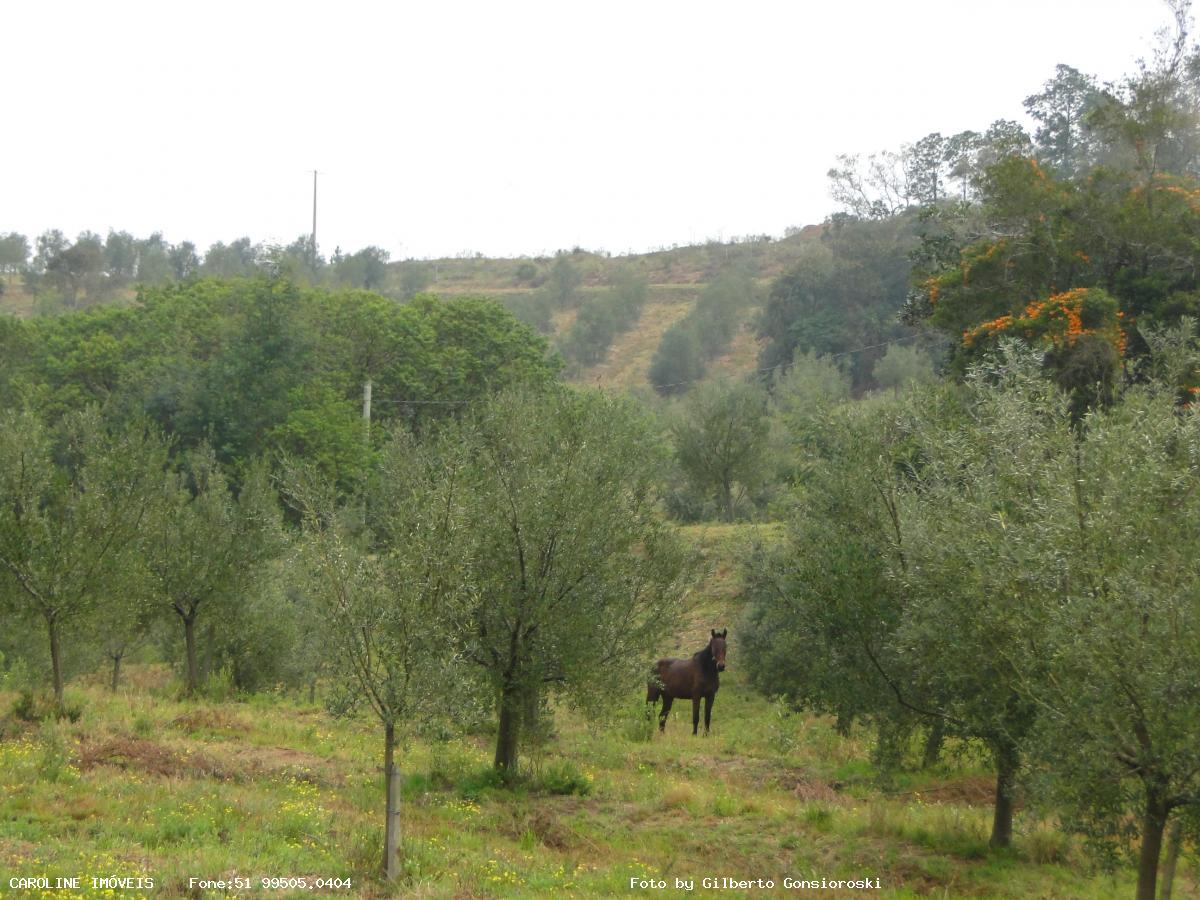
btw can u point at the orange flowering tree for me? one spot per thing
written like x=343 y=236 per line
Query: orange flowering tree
x=1058 y=322
x=1068 y=266
x=1080 y=331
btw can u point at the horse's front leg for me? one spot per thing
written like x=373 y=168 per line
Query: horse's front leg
x=696 y=714
x=708 y=702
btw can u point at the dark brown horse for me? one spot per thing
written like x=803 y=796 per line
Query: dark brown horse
x=689 y=679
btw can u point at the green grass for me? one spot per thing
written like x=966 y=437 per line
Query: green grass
x=143 y=784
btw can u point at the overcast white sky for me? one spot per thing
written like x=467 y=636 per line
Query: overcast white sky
x=502 y=127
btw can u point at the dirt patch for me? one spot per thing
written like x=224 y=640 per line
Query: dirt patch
x=209 y=719
x=552 y=833
x=977 y=790
x=297 y=764
x=807 y=789
x=147 y=756
x=17 y=852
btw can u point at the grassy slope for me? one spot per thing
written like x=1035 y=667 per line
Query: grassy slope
x=275 y=787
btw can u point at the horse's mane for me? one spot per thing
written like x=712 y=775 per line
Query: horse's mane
x=705 y=656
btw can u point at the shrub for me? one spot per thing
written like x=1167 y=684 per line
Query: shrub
x=475 y=785
x=219 y=687
x=563 y=777
x=1045 y=846
x=638 y=725
x=54 y=759
x=37 y=706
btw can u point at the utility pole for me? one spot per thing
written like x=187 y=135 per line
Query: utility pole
x=366 y=410
x=314 y=231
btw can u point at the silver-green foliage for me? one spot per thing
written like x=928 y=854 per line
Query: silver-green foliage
x=72 y=503
x=981 y=556
x=387 y=597
x=575 y=577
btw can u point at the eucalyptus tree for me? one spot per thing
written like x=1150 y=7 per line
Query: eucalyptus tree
x=14 y=252
x=72 y=504
x=1061 y=111
x=390 y=598
x=575 y=577
x=204 y=546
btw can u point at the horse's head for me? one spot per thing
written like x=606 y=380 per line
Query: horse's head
x=717 y=646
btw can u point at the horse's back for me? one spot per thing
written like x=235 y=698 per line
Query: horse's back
x=678 y=677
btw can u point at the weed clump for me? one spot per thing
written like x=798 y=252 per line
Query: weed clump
x=562 y=777
x=37 y=707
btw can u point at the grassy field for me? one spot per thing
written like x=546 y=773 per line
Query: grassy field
x=143 y=785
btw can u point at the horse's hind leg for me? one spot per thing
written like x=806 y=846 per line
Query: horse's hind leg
x=664 y=712
x=696 y=714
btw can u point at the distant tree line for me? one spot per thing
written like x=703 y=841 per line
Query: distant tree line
x=92 y=268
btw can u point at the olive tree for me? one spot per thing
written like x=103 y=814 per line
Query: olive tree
x=72 y=503
x=721 y=438
x=575 y=576
x=901 y=567
x=204 y=545
x=388 y=599
x=825 y=607
x=977 y=569
x=1118 y=727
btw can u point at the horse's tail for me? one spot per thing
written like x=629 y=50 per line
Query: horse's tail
x=653 y=691
x=655 y=687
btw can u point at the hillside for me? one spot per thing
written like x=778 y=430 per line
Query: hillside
x=675 y=278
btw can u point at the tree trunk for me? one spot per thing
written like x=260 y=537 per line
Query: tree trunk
x=933 y=744
x=1174 y=844
x=312 y=690
x=116 y=672
x=1007 y=761
x=508 y=732
x=727 y=499
x=391 y=778
x=536 y=726
x=193 y=669
x=1154 y=820
x=210 y=640
x=56 y=660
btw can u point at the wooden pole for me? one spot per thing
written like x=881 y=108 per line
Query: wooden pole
x=391 y=839
x=366 y=410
